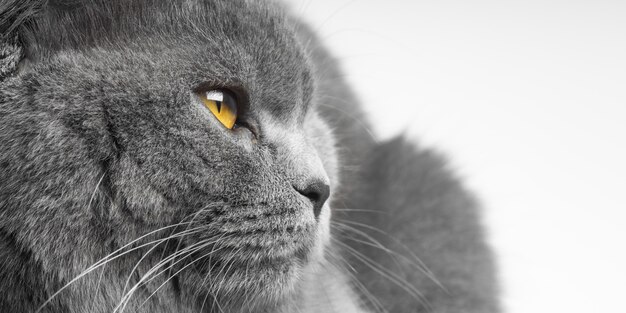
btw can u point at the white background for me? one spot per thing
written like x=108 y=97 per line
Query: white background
x=529 y=100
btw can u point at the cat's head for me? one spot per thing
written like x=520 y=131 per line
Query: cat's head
x=118 y=122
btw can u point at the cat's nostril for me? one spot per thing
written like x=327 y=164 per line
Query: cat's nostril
x=318 y=192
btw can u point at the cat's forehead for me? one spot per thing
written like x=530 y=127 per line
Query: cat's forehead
x=82 y=23
x=247 y=42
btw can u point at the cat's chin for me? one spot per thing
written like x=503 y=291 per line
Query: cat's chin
x=255 y=282
x=258 y=258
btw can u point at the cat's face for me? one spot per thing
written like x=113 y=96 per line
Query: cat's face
x=127 y=103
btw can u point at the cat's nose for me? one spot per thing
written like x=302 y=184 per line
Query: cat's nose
x=318 y=192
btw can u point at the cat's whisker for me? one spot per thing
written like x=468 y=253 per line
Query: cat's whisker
x=147 y=276
x=361 y=210
x=368 y=294
x=378 y=230
x=102 y=262
x=106 y=260
x=393 y=277
x=107 y=257
x=208 y=293
x=419 y=263
x=398 y=281
x=376 y=244
x=317 y=28
x=246 y=294
x=219 y=285
x=145 y=255
x=394 y=255
x=302 y=9
x=230 y=262
x=183 y=268
x=180 y=255
x=193 y=220
x=166 y=240
x=217 y=302
x=195 y=215
x=326 y=262
x=206 y=277
x=95 y=190
x=372 y=242
x=370 y=297
x=361 y=123
x=98 y=283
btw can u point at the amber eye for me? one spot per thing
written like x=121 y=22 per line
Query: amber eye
x=222 y=104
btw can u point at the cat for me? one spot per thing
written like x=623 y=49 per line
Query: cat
x=207 y=156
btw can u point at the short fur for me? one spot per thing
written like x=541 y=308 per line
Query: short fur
x=120 y=192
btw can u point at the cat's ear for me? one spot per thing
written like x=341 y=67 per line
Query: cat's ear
x=15 y=16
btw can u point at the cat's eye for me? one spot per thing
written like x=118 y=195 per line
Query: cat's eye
x=222 y=104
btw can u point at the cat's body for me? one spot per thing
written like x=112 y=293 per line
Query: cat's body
x=104 y=140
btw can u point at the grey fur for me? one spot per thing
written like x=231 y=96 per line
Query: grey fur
x=103 y=141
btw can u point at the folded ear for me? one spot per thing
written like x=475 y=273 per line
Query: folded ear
x=15 y=15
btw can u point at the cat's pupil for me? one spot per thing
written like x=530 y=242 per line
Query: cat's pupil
x=218 y=104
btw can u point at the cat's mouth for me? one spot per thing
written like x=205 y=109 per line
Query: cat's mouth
x=266 y=264
x=261 y=248
x=258 y=234
x=231 y=261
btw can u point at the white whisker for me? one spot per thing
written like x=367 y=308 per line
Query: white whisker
x=184 y=267
x=146 y=277
x=393 y=277
x=105 y=260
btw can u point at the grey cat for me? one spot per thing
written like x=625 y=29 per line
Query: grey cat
x=185 y=156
